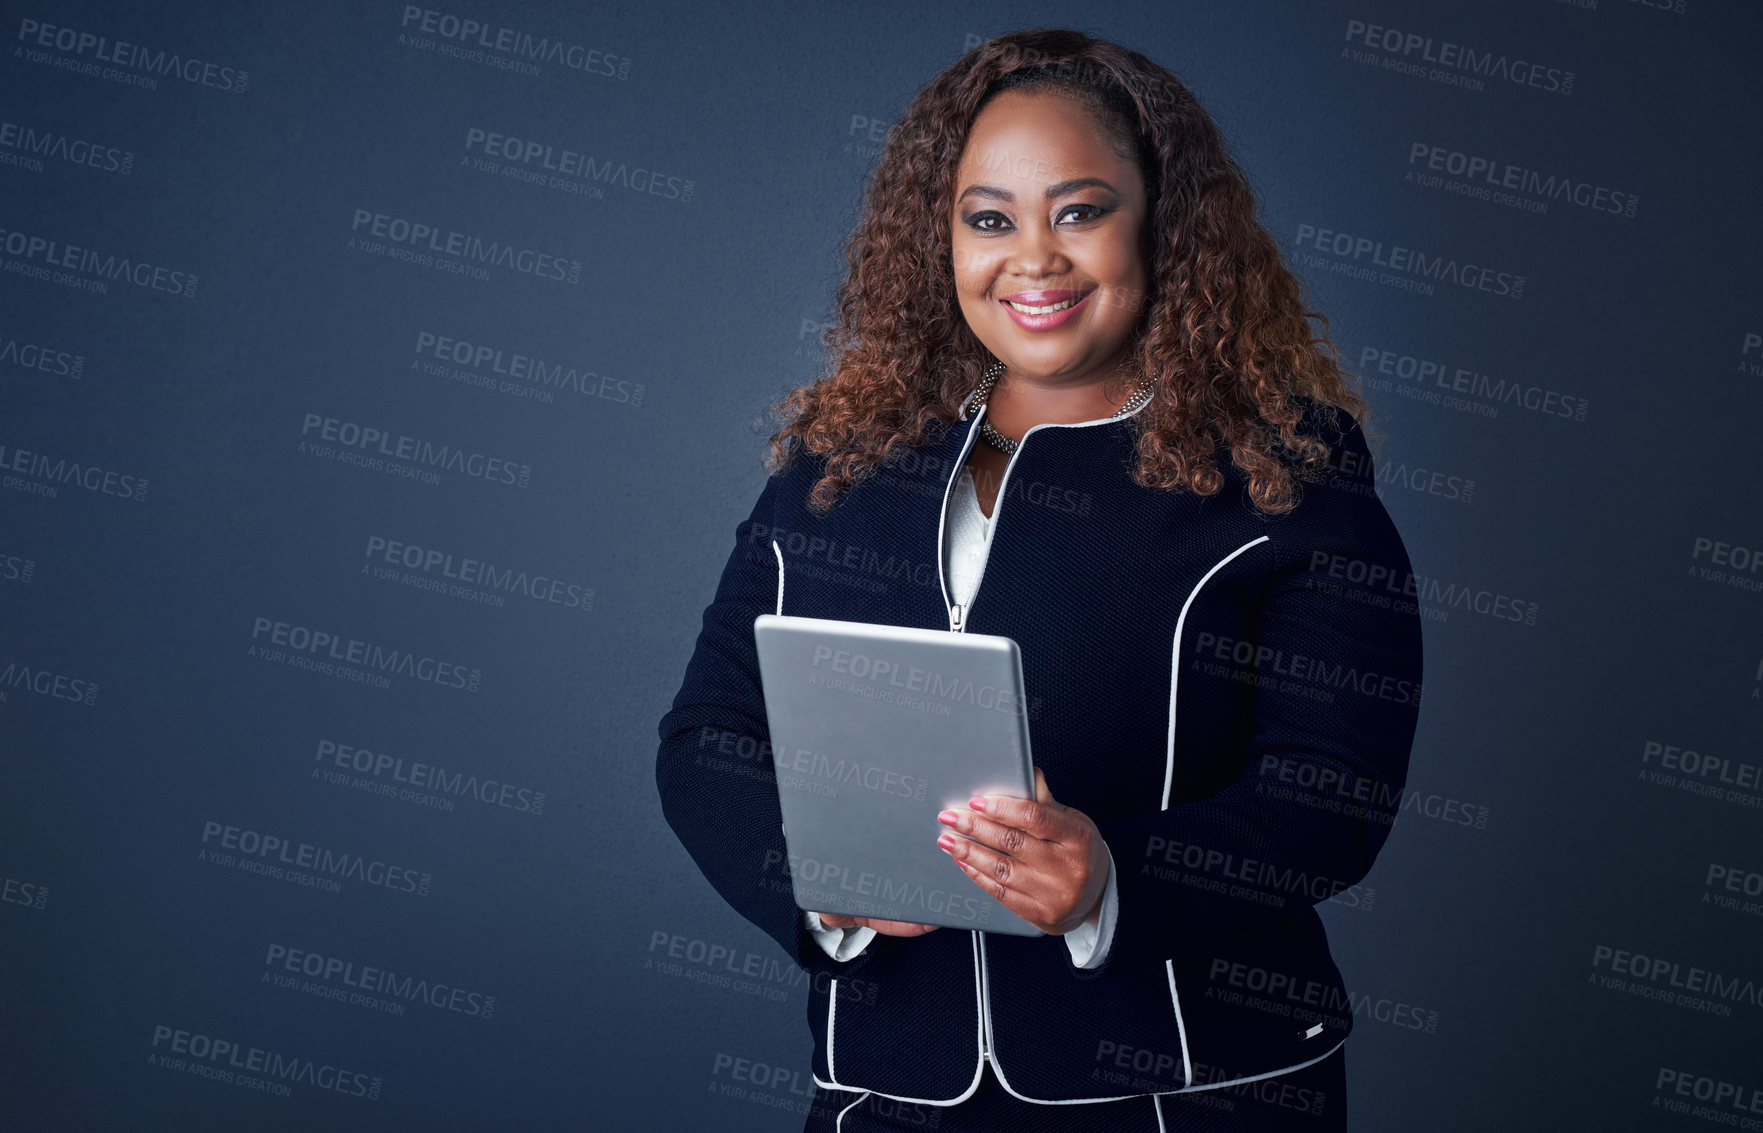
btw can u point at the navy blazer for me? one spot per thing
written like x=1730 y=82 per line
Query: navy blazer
x=1230 y=697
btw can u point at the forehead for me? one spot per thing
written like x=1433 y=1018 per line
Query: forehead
x=1040 y=136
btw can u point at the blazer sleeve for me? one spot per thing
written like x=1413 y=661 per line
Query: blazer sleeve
x=714 y=768
x=1320 y=779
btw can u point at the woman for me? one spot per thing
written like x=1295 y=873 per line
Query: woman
x=1060 y=309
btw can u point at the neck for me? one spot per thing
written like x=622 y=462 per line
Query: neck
x=1018 y=404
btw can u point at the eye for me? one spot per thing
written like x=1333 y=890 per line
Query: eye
x=988 y=221
x=1088 y=212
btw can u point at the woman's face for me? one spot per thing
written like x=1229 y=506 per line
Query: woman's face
x=1047 y=234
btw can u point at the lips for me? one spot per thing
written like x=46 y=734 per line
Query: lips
x=1043 y=310
x=1042 y=302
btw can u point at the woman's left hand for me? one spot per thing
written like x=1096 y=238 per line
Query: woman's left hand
x=1044 y=860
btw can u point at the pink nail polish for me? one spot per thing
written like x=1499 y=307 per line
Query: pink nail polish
x=948 y=817
x=947 y=842
x=977 y=803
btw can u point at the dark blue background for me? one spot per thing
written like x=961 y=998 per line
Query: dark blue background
x=1489 y=930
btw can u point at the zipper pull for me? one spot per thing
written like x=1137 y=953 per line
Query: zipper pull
x=955 y=617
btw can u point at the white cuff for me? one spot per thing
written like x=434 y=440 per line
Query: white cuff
x=840 y=943
x=1089 y=943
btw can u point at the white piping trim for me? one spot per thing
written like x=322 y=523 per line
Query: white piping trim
x=832 y=1001
x=780 y=576
x=960 y=462
x=1181 y=1029
x=999 y=1070
x=1169 y=779
x=1175 y=662
x=965 y=1094
x=840 y=1123
x=992 y=1054
x=1258 y=1077
x=1157 y=1108
x=979 y=1067
x=1187 y=1064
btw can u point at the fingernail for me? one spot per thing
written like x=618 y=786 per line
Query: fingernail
x=948 y=817
x=977 y=803
x=947 y=842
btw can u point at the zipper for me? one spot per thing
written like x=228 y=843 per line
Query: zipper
x=957 y=611
x=958 y=624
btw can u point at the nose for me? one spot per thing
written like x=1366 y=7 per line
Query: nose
x=1035 y=253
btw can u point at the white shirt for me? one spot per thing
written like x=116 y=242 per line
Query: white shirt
x=964 y=560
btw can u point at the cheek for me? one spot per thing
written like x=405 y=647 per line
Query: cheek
x=972 y=270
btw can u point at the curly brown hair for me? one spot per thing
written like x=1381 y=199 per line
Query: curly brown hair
x=1225 y=336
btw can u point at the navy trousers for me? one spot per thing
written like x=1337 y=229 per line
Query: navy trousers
x=1309 y=1100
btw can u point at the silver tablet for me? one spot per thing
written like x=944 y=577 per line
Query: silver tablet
x=874 y=729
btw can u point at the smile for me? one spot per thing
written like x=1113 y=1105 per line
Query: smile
x=1048 y=309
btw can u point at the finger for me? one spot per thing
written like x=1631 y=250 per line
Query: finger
x=1042 y=793
x=1047 y=823
x=1002 y=878
x=1042 y=819
x=992 y=869
x=996 y=836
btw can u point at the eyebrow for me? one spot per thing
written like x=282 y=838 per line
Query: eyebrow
x=1057 y=190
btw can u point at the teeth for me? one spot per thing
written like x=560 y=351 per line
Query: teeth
x=1059 y=306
